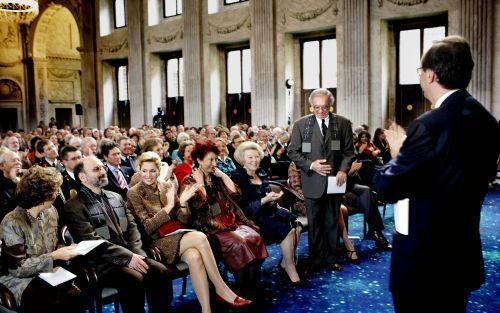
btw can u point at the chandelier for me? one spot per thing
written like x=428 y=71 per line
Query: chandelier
x=18 y=11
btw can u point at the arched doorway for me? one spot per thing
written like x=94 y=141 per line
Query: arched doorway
x=57 y=66
x=11 y=100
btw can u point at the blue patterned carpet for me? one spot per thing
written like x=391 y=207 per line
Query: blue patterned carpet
x=360 y=288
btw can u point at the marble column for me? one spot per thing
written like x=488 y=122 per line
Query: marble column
x=354 y=103
x=41 y=99
x=263 y=49
x=476 y=25
x=193 y=63
x=88 y=73
x=136 y=71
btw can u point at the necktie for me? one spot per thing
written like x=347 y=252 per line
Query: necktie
x=121 y=182
x=324 y=129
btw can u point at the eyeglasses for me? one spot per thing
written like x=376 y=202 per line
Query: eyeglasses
x=320 y=108
x=420 y=70
x=98 y=168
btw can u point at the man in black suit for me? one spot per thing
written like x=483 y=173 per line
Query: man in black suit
x=127 y=151
x=118 y=176
x=444 y=171
x=49 y=155
x=321 y=146
x=120 y=262
x=70 y=156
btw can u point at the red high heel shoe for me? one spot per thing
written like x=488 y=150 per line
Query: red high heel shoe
x=237 y=303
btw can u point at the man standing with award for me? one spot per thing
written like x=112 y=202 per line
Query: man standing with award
x=321 y=147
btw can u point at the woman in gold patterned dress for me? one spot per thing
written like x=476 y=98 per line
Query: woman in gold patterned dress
x=155 y=203
x=31 y=246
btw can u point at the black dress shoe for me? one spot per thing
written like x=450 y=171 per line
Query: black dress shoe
x=349 y=256
x=380 y=241
x=298 y=284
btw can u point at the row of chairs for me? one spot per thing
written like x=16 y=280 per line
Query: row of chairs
x=99 y=296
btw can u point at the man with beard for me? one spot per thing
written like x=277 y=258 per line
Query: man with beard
x=120 y=262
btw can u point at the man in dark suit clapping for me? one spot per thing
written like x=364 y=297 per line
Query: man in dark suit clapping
x=118 y=176
x=444 y=171
x=321 y=145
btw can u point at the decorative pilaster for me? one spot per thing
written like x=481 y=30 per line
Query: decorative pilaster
x=193 y=63
x=476 y=20
x=355 y=102
x=42 y=102
x=135 y=14
x=88 y=74
x=263 y=51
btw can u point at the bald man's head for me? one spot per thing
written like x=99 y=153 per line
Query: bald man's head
x=91 y=173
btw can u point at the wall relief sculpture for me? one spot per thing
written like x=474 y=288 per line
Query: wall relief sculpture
x=309 y=14
x=61 y=73
x=223 y=30
x=402 y=2
x=8 y=36
x=114 y=48
x=10 y=64
x=166 y=39
x=10 y=90
x=61 y=91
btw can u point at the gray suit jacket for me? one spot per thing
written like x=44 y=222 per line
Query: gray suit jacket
x=84 y=219
x=313 y=184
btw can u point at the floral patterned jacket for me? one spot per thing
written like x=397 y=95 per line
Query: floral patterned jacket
x=31 y=241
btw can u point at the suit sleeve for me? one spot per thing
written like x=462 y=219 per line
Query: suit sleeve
x=295 y=148
x=348 y=151
x=404 y=174
x=78 y=219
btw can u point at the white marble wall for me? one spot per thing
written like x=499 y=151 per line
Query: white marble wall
x=365 y=56
x=366 y=71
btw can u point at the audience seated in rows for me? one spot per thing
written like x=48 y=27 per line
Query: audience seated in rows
x=162 y=213
x=215 y=212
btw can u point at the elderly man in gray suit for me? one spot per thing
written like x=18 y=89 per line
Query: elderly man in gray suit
x=321 y=146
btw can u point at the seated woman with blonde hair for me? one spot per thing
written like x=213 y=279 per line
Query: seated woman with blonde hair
x=155 y=203
x=166 y=171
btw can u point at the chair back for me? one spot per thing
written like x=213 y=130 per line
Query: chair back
x=66 y=237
